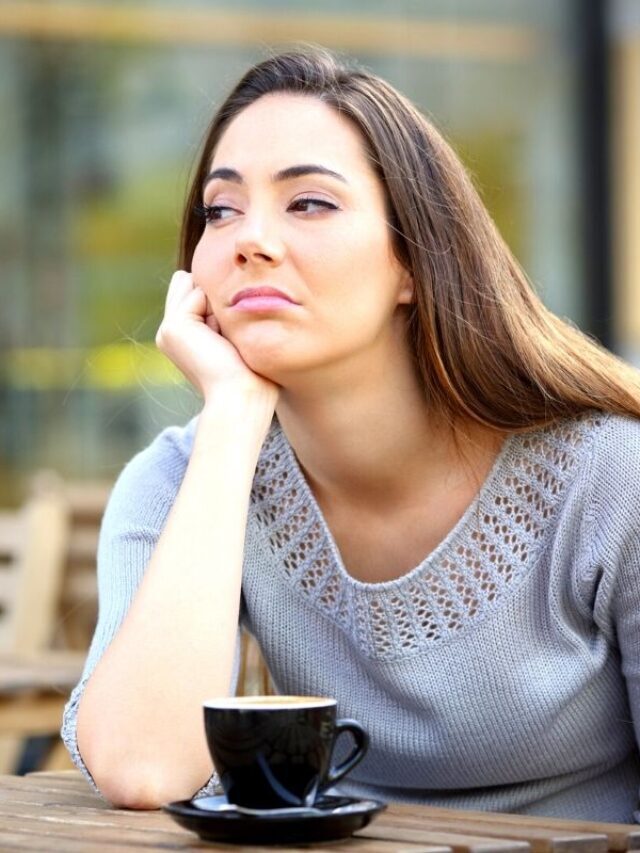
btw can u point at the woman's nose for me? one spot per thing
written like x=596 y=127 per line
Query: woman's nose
x=258 y=244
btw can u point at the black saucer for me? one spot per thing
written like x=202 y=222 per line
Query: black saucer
x=213 y=819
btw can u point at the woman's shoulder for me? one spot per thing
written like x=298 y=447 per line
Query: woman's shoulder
x=602 y=443
x=590 y=460
x=606 y=554
x=616 y=450
x=607 y=486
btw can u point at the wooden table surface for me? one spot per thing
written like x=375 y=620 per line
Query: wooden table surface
x=52 y=812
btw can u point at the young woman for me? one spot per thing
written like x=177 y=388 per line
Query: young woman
x=413 y=484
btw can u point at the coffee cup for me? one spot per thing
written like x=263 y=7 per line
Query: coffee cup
x=275 y=751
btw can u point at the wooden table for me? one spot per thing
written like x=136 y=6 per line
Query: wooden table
x=51 y=812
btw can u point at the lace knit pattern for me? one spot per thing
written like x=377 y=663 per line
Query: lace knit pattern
x=488 y=553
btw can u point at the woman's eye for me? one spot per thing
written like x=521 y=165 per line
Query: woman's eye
x=311 y=205
x=222 y=212
x=216 y=212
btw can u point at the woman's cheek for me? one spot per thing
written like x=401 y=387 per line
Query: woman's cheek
x=207 y=270
x=196 y=263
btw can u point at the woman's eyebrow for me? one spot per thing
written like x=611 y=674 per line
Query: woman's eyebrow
x=225 y=174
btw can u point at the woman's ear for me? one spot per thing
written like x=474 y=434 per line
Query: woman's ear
x=406 y=292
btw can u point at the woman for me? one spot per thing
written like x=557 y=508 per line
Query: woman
x=438 y=525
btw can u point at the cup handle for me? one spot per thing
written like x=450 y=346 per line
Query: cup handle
x=361 y=745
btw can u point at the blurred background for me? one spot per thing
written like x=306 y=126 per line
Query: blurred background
x=102 y=109
x=103 y=106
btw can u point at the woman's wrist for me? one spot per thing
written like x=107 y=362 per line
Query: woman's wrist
x=237 y=415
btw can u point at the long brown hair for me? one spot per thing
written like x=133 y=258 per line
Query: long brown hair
x=485 y=346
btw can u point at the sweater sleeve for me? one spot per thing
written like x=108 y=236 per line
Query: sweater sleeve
x=616 y=549
x=134 y=519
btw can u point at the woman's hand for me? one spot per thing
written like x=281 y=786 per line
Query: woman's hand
x=189 y=336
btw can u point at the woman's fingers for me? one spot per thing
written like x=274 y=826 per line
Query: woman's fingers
x=210 y=317
x=186 y=297
x=181 y=285
x=194 y=303
x=196 y=306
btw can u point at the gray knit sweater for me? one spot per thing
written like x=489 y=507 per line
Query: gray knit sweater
x=501 y=673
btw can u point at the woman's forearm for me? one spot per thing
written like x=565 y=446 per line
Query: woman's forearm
x=140 y=729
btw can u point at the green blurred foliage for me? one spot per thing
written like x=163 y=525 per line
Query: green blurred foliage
x=125 y=245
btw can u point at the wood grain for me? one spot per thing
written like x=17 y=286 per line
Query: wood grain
x=59 y=811
x=459 y=843
x=542 y=838
x=620 y=836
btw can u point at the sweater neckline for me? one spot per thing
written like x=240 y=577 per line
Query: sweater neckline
x=431 y=558
x=481 y=563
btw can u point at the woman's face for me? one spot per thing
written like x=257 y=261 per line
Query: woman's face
x=293 y=206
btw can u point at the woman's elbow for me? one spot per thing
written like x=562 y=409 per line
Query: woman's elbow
x=134 y=793
x=139 y=787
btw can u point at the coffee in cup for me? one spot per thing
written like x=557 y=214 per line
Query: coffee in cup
x=275 y=751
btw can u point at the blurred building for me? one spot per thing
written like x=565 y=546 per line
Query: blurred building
x=103 y=106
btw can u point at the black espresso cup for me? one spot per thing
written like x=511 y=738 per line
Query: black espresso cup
x=275 y=751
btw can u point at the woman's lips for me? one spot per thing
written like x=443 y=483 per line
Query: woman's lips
x=261 y=299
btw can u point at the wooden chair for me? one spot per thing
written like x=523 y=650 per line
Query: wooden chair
x=85 y=502
x=254 y=678
x=75 y=611
x=33 y=542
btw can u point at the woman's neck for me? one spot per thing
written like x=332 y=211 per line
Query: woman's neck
x=376 y=443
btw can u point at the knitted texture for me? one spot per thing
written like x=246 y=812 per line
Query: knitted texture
x=489 y=553
x=492 y=675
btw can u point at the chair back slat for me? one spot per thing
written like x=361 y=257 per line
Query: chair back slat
x=85 y=501
x=33 y=541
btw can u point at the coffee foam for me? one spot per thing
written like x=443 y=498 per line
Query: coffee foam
x=268 y=703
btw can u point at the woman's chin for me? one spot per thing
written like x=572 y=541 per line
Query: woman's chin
x=275 y=357
x=270 y=362
x=270 y=345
